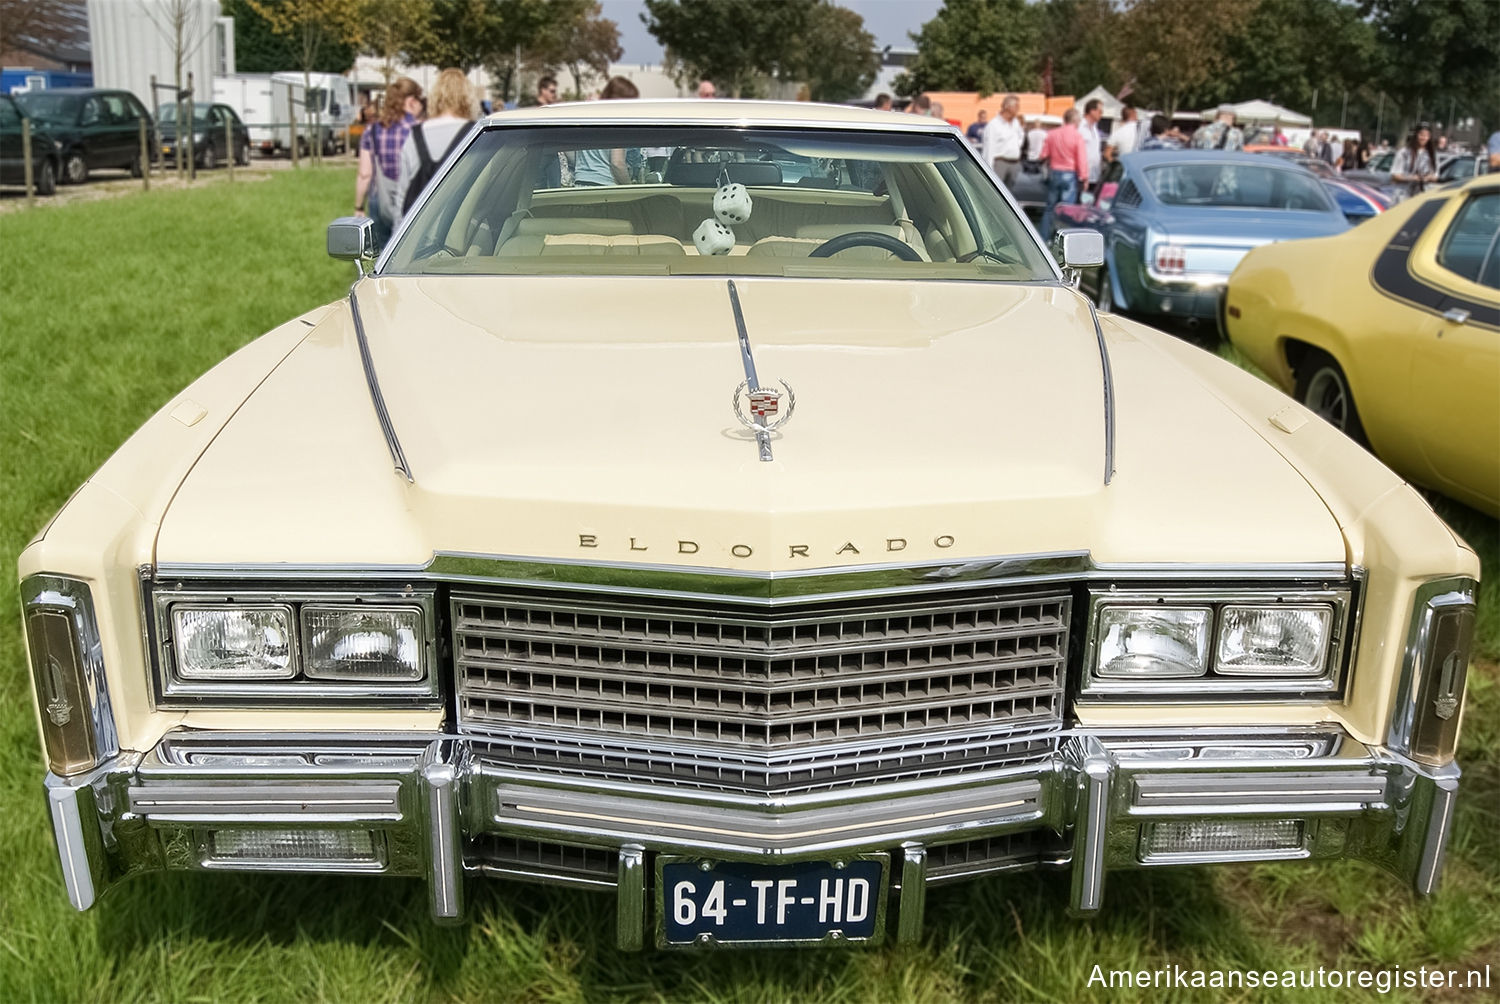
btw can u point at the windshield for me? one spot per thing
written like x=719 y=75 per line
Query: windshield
x=168 y=113
x=616 y=200
x=1244 y=186
x=50 y=107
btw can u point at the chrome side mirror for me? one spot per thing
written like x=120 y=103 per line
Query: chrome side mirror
x=1077 y=248
x=352 y=238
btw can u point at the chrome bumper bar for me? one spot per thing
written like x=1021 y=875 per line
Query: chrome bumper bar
x=440 y=807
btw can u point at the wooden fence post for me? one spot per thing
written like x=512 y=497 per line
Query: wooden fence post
x=229 y=146
x=26 y=156
x=186 y=129
x=291 y=118
x=145 y=160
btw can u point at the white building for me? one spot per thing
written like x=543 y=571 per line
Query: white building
x=132 y=40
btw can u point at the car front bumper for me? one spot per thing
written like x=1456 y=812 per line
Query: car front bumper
x=443 y=807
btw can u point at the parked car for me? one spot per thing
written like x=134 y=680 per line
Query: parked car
x=1392 y=334
x=1181 y=220
x=1462 y=167
x=758 y=552
x=1357 y=200
x=97 y=128
x=209 y=142
x=46 y=152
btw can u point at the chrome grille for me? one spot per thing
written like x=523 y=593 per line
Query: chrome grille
x=810 y=694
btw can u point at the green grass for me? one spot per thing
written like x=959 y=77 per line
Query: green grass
x=111 y=307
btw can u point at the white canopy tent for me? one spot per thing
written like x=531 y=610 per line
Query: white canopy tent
x=1112 y=105
x=1258 y=112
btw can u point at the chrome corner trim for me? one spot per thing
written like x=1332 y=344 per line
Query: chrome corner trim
x=1429 y=597
x=1091 y=828
x=762 y=436
x=913 y=893
x=630 y=899
x=1439 y=827
x=72 y=852
x=441 y=779
x=77 y=599
x=1109 y=394
x=373 y=383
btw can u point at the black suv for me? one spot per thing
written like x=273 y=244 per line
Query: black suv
x=97 y=128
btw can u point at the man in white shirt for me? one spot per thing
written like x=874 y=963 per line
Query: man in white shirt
x=1125 y=137
x=1004 y=138
x=1035 y=137
x=1089 y=129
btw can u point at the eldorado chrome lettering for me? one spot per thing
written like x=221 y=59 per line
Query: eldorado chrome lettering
x=889 y=545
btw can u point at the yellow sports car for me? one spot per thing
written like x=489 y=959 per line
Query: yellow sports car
x=1391 y=331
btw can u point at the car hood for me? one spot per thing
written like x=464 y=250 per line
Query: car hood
x=592 y=419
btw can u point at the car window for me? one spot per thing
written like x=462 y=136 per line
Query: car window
x=93 y=112
x=117 y=109
x=1457 y=169
x=60 y=108
x=1382 y=161
x=9 y=117
x=1247 y=186
x=631 y=199
x=1469 y=246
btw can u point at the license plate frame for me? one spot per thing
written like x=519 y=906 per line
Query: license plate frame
x=670 y=869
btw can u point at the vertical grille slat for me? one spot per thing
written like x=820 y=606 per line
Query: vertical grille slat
x=812 y=695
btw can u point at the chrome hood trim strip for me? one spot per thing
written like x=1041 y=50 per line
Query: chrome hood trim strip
x=762 y=436
x=736 y=585
x=1109 y=396
x=376 y=398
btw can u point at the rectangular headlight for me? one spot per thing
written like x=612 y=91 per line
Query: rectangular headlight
x=1153 y=642
x=362 y=643
x=1278 y=640
x=234 y=641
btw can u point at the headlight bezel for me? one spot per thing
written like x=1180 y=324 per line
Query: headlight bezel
x=1215 y=686
x=172 y=690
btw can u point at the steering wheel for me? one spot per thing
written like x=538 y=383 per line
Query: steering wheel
x=866 y=239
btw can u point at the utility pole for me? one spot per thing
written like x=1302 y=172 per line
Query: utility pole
x=1345 y=113
x=1380 y=117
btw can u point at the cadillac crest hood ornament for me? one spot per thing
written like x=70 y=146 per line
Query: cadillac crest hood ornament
x=768 y=409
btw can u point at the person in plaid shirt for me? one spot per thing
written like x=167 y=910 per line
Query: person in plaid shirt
x=380 y=156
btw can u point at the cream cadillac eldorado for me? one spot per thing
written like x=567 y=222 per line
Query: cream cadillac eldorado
x=761 y=529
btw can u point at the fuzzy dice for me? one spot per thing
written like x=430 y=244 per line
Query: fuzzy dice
x=732 y=204
x=713 y=237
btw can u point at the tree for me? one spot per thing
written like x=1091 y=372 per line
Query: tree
x=1437 y=56
x=311 y=25
x=1293 y=51
x=584 y=44
x=1173 y=53
x=392 y=28
x=259 y=49
x=1077 y=42
x=34 y=20
x=473 y=33
x=836 y=56
x=731 y=41
x=976 y=45
x=179 y=23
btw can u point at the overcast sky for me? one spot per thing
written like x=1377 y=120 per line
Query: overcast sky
x=888 y=20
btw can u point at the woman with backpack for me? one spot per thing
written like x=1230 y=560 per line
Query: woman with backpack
x=454 y=108
x=375 y=191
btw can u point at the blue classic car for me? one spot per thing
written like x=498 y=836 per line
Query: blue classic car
x=1177 y=222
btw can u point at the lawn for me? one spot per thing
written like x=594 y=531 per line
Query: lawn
x=111 y=307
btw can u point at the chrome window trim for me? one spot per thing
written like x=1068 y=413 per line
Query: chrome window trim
x=1429 y=597
x=75 y=597
x=1213 y=688
x=745 y=586
x=171 y=691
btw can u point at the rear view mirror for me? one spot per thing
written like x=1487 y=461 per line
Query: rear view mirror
x=1078 y=248
x=352 y=238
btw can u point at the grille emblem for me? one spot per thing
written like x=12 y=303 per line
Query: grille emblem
x=1447 y=700
x=764 y=405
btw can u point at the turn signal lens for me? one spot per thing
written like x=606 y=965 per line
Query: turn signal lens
x=362 y=643
x=1273 y=641
x=233 y=642
x=1153 y=642
x=1210 y=839
x=1440 y=692
x=268 y=848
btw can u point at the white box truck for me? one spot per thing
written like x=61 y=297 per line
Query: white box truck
x=252 y=98
x=323 y=105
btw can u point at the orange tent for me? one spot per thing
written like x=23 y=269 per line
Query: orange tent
x=964 y=106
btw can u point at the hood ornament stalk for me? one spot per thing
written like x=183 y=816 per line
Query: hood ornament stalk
x=764 y=403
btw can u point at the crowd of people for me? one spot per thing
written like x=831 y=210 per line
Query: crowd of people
x=404 y=140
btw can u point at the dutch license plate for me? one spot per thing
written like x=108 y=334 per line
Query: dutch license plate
x=730 y=902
